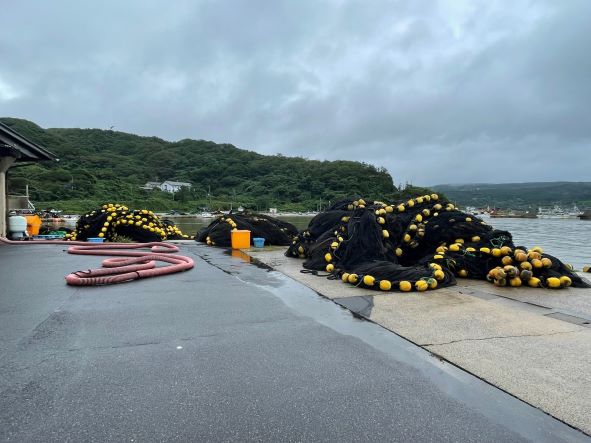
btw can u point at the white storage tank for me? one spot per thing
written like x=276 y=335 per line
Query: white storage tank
x=17 y=227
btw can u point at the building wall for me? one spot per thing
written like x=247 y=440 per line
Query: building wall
x=5 y=163
x=167 y=187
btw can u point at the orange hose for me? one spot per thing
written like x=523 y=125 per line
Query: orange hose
x=141 y=264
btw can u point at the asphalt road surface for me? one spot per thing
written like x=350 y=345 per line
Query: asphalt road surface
x=228 y=351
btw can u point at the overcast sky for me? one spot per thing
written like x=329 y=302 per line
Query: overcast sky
x=435 y=91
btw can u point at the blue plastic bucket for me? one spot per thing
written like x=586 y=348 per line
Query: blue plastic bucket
x=258 y=242
x=96 y=239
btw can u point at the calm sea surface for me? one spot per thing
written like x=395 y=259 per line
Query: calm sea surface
x=567 y=239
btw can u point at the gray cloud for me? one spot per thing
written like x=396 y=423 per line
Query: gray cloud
x=436 y=92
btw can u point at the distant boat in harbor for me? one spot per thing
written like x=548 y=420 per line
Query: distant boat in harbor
x=479 y=212
x=558 y=212
x=497 y=213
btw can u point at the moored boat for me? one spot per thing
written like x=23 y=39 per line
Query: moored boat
x=559 y=212
x=512 y=214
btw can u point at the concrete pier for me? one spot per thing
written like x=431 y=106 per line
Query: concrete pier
x=229 y=351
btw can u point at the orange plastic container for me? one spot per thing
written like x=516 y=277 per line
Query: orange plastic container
x=33 y=224
x=240 y=239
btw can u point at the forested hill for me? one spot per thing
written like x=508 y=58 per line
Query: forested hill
x=519 y=195
x=100 y=165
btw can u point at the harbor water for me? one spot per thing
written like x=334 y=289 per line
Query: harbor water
x=569 y=239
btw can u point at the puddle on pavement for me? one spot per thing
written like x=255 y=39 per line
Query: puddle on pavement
x=237 y=253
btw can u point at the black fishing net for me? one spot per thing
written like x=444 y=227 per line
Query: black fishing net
x=420 y=244
x=115 y=222
x=273 y=230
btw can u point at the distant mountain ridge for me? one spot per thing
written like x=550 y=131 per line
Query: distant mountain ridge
x=519 y=195
x=103 y=165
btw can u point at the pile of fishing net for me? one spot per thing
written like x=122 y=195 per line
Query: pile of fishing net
x=420 y=244
x=115 y=222
x=274 y=231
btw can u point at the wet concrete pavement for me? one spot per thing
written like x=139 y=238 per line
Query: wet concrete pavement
x=533 y=343
x=226 y=351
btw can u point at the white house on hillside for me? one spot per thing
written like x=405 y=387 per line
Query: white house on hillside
x=170 y=186
x=167 y=186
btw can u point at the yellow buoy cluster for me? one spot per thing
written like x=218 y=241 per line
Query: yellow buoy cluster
x=432 y=276
x=371 y=281
x=420 y=244
x=520 y=267
x=115 y=221
x=508 y=267
x=415 y=230
x=229 y=221
x=511 y=276
x=356 y=204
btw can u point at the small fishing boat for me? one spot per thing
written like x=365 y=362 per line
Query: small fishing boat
x=559 y=212
x=512 y=214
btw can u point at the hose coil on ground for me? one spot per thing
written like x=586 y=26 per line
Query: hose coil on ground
x=139 y=264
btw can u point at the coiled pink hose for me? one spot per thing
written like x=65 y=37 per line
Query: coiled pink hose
x=141 y=264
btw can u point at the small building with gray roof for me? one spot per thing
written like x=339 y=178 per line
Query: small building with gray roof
x=15 y=148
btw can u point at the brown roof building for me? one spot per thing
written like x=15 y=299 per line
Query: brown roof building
x=16 y=148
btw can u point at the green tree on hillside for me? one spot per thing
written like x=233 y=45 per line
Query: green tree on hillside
x=99 y=165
